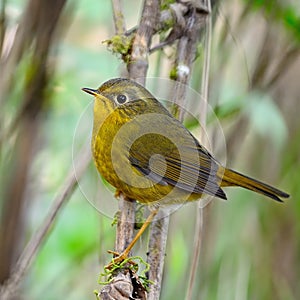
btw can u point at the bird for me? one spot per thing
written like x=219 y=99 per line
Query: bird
x=148 y=155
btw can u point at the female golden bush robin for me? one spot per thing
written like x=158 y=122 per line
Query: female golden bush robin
x=148 y=155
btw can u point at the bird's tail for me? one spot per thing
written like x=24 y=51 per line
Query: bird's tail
x=233 y=178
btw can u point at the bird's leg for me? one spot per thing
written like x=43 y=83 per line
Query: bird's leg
x=125 y=253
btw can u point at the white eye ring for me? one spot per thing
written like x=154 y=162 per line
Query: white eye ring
x=121 y=99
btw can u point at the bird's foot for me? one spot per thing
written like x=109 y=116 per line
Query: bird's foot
x=118 y=260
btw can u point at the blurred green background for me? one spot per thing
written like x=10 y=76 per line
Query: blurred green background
x=251 y=245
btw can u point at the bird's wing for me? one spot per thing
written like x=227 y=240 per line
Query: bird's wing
x=178 y=160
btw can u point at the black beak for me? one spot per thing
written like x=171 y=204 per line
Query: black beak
x=90 y=91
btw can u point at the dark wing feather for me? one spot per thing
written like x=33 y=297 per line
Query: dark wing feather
x=186 y=165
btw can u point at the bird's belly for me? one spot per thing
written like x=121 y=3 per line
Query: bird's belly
x=112 y=161
x=119 y=173
x=137 y=186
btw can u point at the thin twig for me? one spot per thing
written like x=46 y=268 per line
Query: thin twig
x=198 y=232
x=126 y=216
x=175 y=15
x=206 y=67
x=186 y=51
x=185 y=55
x=40 y=34
x=119 y=20
x=39 y=238
x=125 y=226
x=137 y=68
x=284 y=64
x=138 y=65
x=35 y=22
x=2 y=25
x=156 y=253
x=259 y=73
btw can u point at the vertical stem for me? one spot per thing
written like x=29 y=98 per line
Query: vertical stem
x=27 y=120
x=206 y=67
x=186 y=51
x=157 y=249
x=126 y=219
x=203 y=112
x=10 y=287
x=138 y=65
x=137 y=69
x=2 y=25
x=196 y=253
x=119 y=21
x=125 y=227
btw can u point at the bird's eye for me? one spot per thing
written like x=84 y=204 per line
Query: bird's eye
x=121 y=99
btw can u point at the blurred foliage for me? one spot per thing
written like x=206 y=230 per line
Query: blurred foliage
x=251 y=246
x=280 y=11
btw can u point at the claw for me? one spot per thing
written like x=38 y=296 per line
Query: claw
x=117 y=194
x=124 y=255
x=118 y=259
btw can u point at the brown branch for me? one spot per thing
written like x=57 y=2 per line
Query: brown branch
x=11 y=228
x=175 y=15
x=259 y=73
x=2 y=25
x=185 y=55
x=199 y=231
x=40 y=33
x=156 y=253
x=125 y=226
x=10 y=287
x=206 y=65
x=138 y=65
x=126 y=218
x=119 y=20
x=283 y=65
x=137 y=69
x=121 y=286
x=36 y=22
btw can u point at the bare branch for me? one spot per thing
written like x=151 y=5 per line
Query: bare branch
x=156 y=253
x=206 y=66
x=138 y=64
x=40 y=34
x=119 y=20
x=199 y=231
x=125 y=226
x=36 y=22
x=9 y=289
x=185 y=55
x=137 y=68
x=2 y=25
x=284 y=63
x=189 y=20
x=186 y=52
